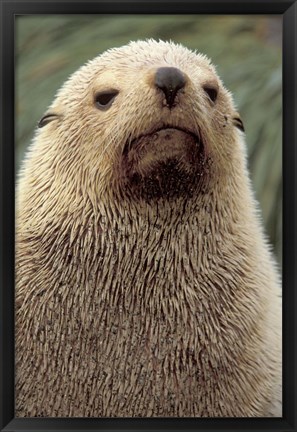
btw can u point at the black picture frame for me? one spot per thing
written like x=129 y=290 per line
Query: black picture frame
x=8 y=10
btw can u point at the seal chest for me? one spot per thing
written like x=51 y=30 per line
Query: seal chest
x=140 y=255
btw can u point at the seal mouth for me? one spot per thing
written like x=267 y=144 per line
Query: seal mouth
x=164 y=163
x=166 y=130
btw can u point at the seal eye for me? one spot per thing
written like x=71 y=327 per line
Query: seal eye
x=211 y=92
x=104 y=99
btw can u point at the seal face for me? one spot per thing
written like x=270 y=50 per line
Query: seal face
x=140 y=256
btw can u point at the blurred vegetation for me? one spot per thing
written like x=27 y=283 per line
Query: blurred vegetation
x=245 y=49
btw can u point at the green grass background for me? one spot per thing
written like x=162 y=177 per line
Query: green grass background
x=245 y=49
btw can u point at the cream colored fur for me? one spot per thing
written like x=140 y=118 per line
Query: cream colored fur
x=133 y=308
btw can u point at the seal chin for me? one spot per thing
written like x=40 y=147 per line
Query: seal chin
x=163 y=163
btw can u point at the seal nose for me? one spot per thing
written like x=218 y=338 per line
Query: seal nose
x=170 y=80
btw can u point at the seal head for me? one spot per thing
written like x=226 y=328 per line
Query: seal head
x=165 y=121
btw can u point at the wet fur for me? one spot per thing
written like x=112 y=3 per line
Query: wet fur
x=155 y=306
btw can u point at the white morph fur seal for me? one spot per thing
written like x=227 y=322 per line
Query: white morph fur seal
x=144 y=283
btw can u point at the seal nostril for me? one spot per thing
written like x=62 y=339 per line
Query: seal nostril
x=170 y=80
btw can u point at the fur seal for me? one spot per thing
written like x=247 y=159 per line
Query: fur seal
x=145 y=286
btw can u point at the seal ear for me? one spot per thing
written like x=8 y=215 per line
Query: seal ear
x=238 y=122
x=47 y=118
